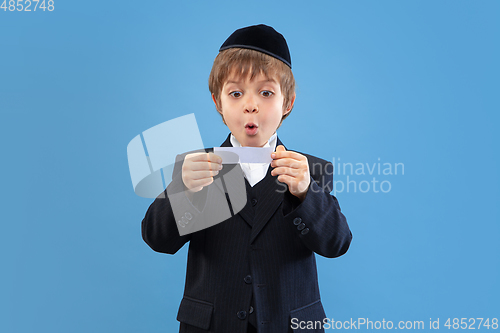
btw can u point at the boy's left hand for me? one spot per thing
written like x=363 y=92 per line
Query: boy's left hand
x=292 y=169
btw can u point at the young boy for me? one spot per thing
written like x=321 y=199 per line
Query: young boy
x=255 y=271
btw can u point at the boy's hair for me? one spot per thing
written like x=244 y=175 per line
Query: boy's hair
x=246 y=62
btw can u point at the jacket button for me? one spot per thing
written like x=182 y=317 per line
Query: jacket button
x=254 y=201
x=251 y=310
x=242 y=314
x=301 y=226
x=248 y=279
x=297 y=220
x=305 y=231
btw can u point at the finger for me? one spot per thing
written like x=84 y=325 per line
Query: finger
x=200 y=183
x=205 y=157
x=288 y=154
x=197 y=175
x=289 y=162
x=196 y=157
x=196 y=189
x=214 y=158
x=279 y=148
x=290 y=181
x=285 y=171
x=204 y=166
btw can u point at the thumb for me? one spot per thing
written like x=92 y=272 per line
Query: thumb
x=280 y=148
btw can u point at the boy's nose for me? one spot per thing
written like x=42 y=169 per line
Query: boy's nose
x=251 y=105
x=251 y=109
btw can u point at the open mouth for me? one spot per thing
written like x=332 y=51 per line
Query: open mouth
x=251 y=128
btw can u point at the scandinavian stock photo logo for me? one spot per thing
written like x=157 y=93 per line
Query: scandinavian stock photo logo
x=364 y=177
x=353 y=177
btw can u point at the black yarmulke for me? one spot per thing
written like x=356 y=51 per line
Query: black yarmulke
x=260 y=38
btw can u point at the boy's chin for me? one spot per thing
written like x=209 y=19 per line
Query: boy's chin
x=257 y=145
x=252 y=141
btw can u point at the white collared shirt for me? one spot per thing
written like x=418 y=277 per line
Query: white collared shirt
x=255 y=172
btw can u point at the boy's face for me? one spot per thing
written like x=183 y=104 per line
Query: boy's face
x=252 y=109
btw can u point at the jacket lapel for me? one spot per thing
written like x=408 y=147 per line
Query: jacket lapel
x=227 y=143
x=270 y=195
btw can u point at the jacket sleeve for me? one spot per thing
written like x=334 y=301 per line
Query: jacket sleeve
x=318 y=220
x=160 y=227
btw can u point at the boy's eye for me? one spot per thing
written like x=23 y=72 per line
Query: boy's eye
x=235 y=94
x=266 y=93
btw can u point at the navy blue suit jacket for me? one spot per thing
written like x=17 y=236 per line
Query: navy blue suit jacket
x=266 y=250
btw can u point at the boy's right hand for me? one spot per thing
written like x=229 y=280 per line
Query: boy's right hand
x=199 y=169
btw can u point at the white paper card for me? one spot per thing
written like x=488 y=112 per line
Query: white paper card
x=233 y=155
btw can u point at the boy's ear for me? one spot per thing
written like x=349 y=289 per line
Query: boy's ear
x=290 y=105
x=217 y=108
x=215 y=102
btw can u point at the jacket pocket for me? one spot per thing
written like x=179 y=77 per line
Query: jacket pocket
x=308 y=318
x=195 y=313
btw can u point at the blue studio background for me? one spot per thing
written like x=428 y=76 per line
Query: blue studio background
x=411 y=82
